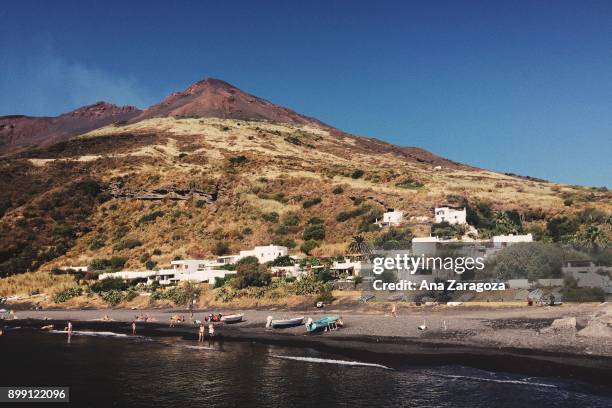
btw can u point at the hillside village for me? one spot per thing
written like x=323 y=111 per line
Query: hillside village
x=355 y=269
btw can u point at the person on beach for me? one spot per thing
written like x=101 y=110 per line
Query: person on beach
x=201 y=334
x=394 y=311
x=172 y=321
x=211 y=329
x=134 y=328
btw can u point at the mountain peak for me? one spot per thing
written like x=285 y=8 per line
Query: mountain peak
x=213 y=97
x=101 y=108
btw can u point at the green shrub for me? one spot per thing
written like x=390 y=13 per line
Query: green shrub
x=145 y=219
x=109 y=284
x=130 y=295
x=63 y=231
x=286 y=242
x=409 y=183
x=324 y=275
x=157 y=252
x=116 y=263
x=130 y=243
x=314 y=221
x=270 y=217
x=314 y=232
x=283 y=261
x=97 y=242
x=221 y=248
x=311 y=202
x=562 y=226
x=221 y=281
x=347 y=215
x=291 y=220
x=338 y=190
x=357 y=174
x=247 y=231
x=112 y=297
x=150 y=265
x=308 y=246
x=583 y=294
x=251 y=274
x=237 y=160
x=99 y=264
x=67 y=294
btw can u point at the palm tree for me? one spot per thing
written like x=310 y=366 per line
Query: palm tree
x=360 y=246
x=593 y=238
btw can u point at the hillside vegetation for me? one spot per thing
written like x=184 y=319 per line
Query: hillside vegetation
x=143 y=193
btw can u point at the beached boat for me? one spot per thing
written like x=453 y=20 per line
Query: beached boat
x=323 y=323
x=235 y=318
x=281 y=324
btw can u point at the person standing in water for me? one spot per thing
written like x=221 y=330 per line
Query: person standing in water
x=133 y=327
x=69 y=328
x=394 y=311
x=201 y=333
x=211 y=329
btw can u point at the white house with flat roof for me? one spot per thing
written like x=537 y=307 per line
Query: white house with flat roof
x=391 y=218
x=266 y=253
x=502 y=241
x=348 y=266
x=74 y=268
x=126 y=274
x=451 y=215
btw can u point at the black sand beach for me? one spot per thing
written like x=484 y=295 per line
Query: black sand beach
x=466 y=337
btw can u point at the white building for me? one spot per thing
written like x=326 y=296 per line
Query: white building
x=451 y=215
x=502 y=241
x=126 y=275
x=589 y=275
x=74 y=268
x=266 y=253
x=391 y=218
x=287 y=271
x=170 y=276
x=199 y=270
x=348 y=266
x=203 y=270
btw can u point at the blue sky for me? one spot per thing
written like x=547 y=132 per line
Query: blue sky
x=523 y=87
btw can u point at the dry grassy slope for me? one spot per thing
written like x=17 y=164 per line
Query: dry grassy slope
x=300 y=162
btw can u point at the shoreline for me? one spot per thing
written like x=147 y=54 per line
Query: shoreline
x=383 y=348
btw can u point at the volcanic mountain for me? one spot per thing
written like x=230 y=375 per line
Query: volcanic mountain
x=212 y=170
x=213 y=98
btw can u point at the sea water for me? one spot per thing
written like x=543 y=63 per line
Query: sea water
x=107 y=370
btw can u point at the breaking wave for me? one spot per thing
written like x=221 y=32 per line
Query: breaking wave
x=482 y=379
x=199 y=347
x=92 y=333
x=330 y=361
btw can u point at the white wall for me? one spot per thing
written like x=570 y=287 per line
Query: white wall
x=450 y=215
x=126 y=274
x=265 y=253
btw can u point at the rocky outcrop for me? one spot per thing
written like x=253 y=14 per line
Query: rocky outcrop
x=118 y=190
x=599 y=325
x=566 y=324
